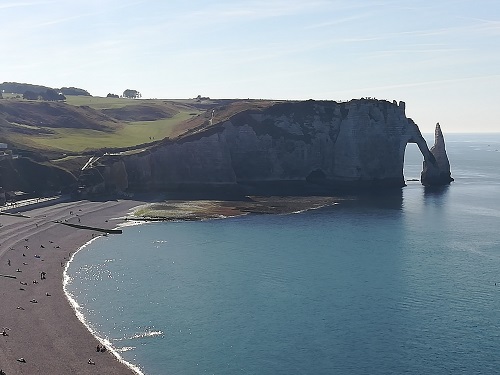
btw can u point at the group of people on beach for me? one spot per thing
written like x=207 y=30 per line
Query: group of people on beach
x=20 y=262
x=43 y=276
x=99 y=349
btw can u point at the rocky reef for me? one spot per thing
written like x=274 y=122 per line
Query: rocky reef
x=304 y=147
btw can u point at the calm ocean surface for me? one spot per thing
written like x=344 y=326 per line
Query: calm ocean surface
x=401 y=284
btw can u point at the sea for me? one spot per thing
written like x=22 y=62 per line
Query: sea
x=400 y=283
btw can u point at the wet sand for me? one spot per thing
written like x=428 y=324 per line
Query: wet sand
x=40 y=325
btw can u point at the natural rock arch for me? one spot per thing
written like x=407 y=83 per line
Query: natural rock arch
x=322 y=144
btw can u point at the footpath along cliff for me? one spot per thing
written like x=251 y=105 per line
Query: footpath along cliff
x=306 y=147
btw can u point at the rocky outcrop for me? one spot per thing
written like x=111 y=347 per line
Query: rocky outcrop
x=309 y=147
x=437 y=172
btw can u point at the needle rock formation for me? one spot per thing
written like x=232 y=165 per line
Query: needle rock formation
x=438 y=173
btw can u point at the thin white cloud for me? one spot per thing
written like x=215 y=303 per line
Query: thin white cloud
x=336 y=22
x=19 y=4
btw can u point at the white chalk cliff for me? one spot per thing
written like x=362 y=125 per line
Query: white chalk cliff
x=316 y=145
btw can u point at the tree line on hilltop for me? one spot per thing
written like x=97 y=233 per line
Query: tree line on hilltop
x=36 y=92
x=128 y=93
x=49 y=95
x=21 y=88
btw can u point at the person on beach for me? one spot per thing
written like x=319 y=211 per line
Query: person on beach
x=91 y=362
x=8 y=262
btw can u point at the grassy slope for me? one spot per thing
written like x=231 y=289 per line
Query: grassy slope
x=125 y=135
x=56 y=140
x=99 y=102
x=120 y=134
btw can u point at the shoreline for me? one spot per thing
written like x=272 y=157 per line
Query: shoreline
x=40 y=323
x=81 y=317
x=41 y=319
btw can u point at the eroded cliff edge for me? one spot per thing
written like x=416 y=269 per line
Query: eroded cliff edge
x=310 y=146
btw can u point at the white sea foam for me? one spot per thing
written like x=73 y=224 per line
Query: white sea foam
x=79 y=314
x=315 y=208
x=147 y=333
x=125 y=349
x=131 y=223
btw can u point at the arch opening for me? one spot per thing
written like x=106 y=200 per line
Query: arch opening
x=412 y=162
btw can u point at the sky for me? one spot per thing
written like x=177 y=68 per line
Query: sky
x=441 y=57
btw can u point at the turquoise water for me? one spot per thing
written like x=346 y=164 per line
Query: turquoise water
x=406 y=283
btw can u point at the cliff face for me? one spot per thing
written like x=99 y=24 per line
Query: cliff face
x=437 y=173
x=32 y=177
x=311 y=144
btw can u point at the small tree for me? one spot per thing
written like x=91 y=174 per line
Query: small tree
x=30 y=95
x=112 y=96
x=52 y=95
x=74 y=91
x=131 y=94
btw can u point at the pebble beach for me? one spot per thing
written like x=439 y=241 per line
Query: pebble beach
x=40 y=332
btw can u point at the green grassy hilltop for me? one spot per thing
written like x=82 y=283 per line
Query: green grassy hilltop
x=88 y=123
x=66 y=132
